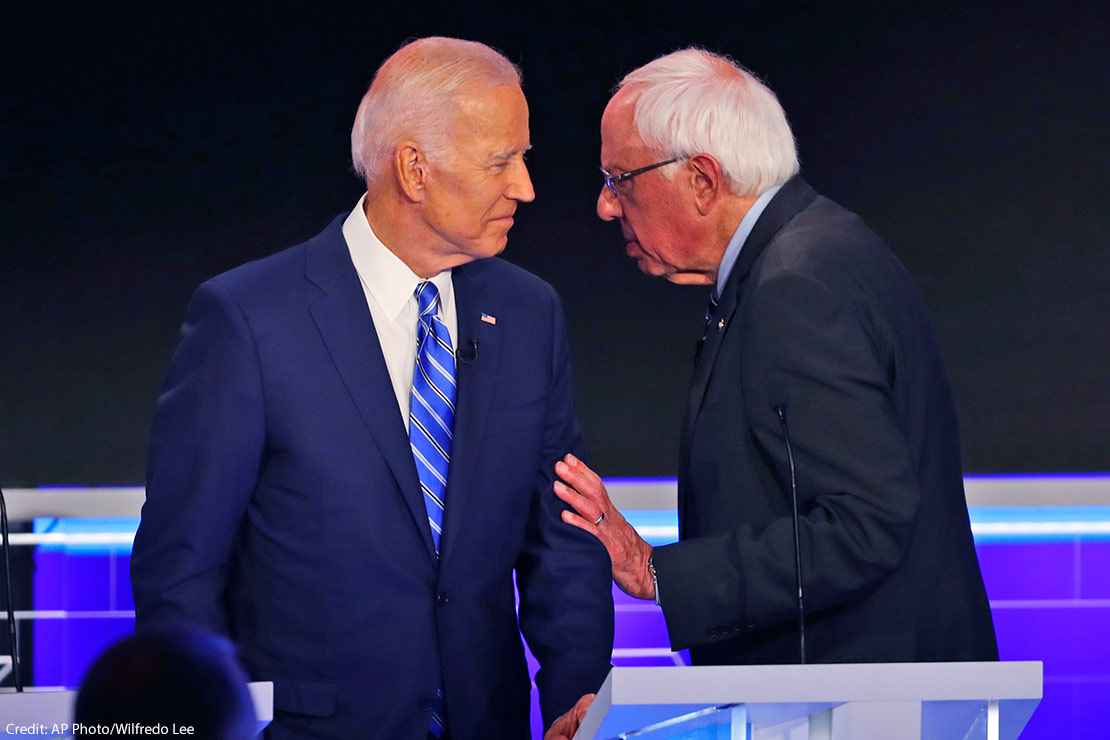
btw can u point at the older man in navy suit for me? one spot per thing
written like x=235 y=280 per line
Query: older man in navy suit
x=352 y=453
x=821 y=506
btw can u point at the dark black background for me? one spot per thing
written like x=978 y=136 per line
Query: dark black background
x=145 y=151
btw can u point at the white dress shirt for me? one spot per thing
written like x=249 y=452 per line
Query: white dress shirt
x=390 y=286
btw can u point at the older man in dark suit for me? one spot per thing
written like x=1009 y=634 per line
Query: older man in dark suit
x=352 y=454
x=818 y=370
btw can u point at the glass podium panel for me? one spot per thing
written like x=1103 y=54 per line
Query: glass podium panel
x=941 y=720
x=838 y=702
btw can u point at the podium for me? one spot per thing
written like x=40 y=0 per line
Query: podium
x=48 y=712
x=892 y=701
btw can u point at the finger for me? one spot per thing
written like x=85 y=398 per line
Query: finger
x=577 y=464
x=588 y=484
x=577 y=501
x=574 y=519
x=581 y=481
x=563 y=728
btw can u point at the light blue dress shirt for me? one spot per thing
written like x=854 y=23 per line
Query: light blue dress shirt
x=743 y=231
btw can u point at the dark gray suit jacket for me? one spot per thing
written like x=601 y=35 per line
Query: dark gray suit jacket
x=819 y=317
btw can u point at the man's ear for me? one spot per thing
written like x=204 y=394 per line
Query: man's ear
x=707 y=181
x=411 y=169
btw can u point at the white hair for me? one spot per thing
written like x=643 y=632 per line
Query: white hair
x=413 y=94
x=696 y=102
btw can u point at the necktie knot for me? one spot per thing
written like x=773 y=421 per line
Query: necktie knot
x=427 y=298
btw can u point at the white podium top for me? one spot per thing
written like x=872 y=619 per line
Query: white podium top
x=633 y=698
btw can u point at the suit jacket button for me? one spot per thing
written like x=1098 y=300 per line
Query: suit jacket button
x=441 y=599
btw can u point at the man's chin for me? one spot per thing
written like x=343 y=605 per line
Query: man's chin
x=656 y=269
x=492 y=247
x=649 y=266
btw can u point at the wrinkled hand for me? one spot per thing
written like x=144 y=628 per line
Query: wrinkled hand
x=565 y=727
x=583 y=490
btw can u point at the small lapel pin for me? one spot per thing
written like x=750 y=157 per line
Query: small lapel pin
x=491 y=320
x=721 y=325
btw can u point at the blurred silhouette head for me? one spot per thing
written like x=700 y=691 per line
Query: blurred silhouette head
x=169 y=675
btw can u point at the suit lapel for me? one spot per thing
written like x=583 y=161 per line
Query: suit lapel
x=794 y=196
x=707 y=357
x=476 y=379
x=348 y=331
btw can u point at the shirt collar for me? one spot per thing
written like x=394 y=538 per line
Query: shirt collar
x=743 y=231
x=385 y=276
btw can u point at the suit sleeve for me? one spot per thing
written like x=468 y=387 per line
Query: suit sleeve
x=205 y=450
x=816 y=354
x=563 y=574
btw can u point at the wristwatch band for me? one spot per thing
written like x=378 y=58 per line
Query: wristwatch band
x=654 y=579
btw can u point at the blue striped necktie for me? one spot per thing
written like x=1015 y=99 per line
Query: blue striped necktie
x=431 y=429
x=432 y=406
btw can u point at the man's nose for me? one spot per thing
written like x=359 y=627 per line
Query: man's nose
x=520 y=186
x=608 y=206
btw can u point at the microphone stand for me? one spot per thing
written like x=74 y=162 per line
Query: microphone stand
x=781 y=411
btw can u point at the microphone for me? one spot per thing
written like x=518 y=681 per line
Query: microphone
x=780 y=410
x=468 y=350
x=17 y=675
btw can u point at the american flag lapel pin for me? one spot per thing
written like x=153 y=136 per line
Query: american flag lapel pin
x=491 y=320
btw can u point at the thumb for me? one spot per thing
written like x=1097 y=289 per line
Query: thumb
x=583 y=706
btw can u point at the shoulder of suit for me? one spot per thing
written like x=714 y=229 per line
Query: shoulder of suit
x=274 y=281
x=822 y=240
x=269 y=273
x=497 y=274
x=274 y=275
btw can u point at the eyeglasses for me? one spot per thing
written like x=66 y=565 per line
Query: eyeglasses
x=613 y=182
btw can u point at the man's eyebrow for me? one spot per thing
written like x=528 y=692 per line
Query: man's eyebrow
x=510 y=154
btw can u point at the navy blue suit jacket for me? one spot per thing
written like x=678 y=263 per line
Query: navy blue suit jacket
x=283 y=507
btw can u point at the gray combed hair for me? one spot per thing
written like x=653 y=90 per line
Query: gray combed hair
x=693 y=101
x=412 y=94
